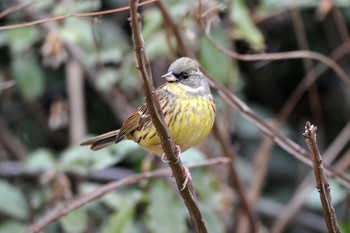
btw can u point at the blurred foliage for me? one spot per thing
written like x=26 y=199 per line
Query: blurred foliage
x=37 y=59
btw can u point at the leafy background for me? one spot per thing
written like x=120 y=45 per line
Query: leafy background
x=41 y=164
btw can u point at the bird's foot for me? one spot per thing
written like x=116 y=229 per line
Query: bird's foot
x=165 y=159
x=187 y=177
x=187 y=174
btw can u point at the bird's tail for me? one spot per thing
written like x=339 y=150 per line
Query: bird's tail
x=101 y=141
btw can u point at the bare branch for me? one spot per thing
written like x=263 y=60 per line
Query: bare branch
x=304 y=189
x=321 y=179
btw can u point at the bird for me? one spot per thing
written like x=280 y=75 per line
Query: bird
x=188 y=107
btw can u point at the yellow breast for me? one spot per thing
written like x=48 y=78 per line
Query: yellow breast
x=189 y=117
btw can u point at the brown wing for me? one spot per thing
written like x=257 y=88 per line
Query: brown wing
x=139 y=118
x=130 y=124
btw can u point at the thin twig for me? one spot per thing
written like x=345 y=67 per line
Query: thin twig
x=309 y=79
x=321 y=179
x=172 y=152
x=303 y=190
x=60 y=18
x=64 y=209
x=281 y=56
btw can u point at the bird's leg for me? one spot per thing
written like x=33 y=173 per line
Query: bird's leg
x=185 y=170
x=177 y=153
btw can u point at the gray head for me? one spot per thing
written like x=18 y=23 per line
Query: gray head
x=186 y=71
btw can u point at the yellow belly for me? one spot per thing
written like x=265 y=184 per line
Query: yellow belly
x=189 y=122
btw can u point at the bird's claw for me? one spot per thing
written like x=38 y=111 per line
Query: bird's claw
x=164 y=158
x=187 y=174
x=177 y=154
x=188 y=178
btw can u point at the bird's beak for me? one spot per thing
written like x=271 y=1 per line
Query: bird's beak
x=169 y=77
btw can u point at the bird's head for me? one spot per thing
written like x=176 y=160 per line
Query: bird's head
x=186 y=71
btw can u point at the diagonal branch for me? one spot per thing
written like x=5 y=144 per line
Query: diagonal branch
x=157 y=117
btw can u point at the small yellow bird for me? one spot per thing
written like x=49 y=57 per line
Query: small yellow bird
x=188 y=107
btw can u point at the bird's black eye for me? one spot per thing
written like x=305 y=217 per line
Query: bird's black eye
x=184 y=75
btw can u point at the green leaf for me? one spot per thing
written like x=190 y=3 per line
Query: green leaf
x=40 y=160
x=88 y=5
x=245 y=27
x=75 y=221
x=81 y=159
x=211 y=219
x=135 y=226
x=107 y=79
x=191 y=156
x=157 y=44
x=166 y=213
x=21 y=39
x=12 y=201
x=206 y=186
x=79 y=30
x=120 y=220
x=124 y=202
x=12 y=226
x=28 y=75
x=114 y=200
x=344 y=227
x=3 y=38
x=152 y=21
x=215 y=62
